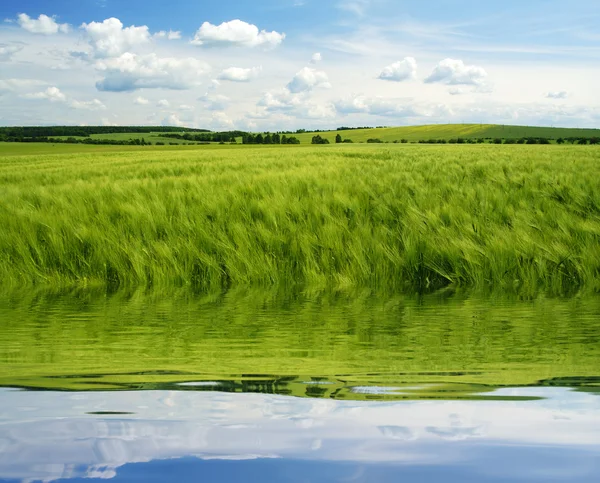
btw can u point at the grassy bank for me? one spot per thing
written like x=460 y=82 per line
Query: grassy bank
x=394 y=216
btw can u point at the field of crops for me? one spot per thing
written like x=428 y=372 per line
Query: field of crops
x=399 y=216
x=451 y=131
x=392 y=134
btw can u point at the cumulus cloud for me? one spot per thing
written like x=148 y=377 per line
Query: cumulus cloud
x=93 y=105
x=280 y=100
x=456 y=72
x=7 y=51
x=12 y=85
x=52 y=94
x=186 y=107
x=172 y=120
x=557 y=95
x=220 y=121
x=43 y=25
x=316 y=58
x=131 y=71
x=110 y=39
x=170 y=35
x=308 y=79
x=456 y=91
x=295 y=105
x=163 y=103
x=141 y=101
x=236 y=33
x=238 y=74
x=377 y=106
x=400 y=71
x=215 y=102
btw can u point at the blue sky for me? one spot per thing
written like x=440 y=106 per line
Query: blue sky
x=253 y=65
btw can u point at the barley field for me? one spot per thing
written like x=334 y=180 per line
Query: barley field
x=397 y=216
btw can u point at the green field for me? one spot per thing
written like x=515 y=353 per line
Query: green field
x=391 y=134
x=450 y=131
x=397 y=216
x=152 y=137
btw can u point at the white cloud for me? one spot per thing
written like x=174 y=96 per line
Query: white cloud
x=110 y=39
x=170 y=35
x=557 y=95
x=316 y=58
x=108 y=122
x=186 y=107
x=377 y=106
x=172 y=120
x=221 y=121
x=456 y=91
x=455 y=72
x=239 y=74
x=13 y=85
x=163 y=103
x=215 y=102
x=43 y=25
x=405 y=69
x=295 y=105
x=308 y=79
x=52 y=94
x=93 y=105
x=141 y=101
x=236 y=33
x=7 y=51
x=281 y=100
x=131 y=71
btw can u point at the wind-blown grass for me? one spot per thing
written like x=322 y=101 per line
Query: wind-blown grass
x=397 y=216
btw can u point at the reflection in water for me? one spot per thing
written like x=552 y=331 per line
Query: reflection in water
x=445 y=345
x=50 y=435
x=300 y=387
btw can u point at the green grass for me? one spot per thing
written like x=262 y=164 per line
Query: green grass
x=393 y=216
x=152 y=137
x=449 y=131
x=410 y=133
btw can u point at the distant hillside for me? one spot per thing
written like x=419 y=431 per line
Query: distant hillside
x=83 y=131
x=179 y=135
x=450 y=131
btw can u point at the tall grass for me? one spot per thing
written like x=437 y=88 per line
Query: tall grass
x=398 y=216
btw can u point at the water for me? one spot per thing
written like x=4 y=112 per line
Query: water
x=259 y=386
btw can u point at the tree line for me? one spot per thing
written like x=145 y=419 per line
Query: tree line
x=21 y=132
x=268 y=138
x=529 y=140
x=208 y=137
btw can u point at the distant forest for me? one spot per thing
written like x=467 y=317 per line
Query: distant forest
x=85 y=131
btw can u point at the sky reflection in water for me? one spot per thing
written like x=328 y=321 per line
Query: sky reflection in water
x=211 y=436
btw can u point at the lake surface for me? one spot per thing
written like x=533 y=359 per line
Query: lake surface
x=276 y=386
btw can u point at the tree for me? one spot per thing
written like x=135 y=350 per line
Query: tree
x=319 y=140
x=284 y=139
x=259 y=139
x=338 y=139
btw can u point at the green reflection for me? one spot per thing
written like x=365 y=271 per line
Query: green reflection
x=338 y=345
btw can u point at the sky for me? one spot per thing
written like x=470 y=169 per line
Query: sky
x=289 y=64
